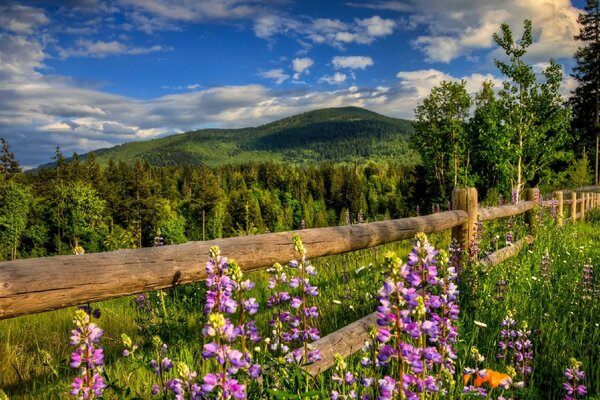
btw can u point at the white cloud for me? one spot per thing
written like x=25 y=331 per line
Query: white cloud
x=452 y=29
x=20 y=58
x=301 y=66
x=384 y=5
x=101 y=49
x=377 y=26
x=277 y=74
x=352 y=62
x=328 y=31
x=335 y=79
x=21 y=19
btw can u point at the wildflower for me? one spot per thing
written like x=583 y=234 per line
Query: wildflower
x=224 y=298
x=87 y=357
x=573 y=386
x=415 y=318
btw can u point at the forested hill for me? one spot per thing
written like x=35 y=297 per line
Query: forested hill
x=335 y=134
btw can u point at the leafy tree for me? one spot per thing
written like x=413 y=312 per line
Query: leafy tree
x=15 y=200
x=441 y=133
x=586 y=97
x=77 y=210
x=532 y=113
x=489 y=142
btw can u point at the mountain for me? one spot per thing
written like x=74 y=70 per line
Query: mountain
x=337 y=134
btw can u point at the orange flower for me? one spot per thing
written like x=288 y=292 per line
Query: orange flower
x=496 y=379
x=466 y=379
x=480 y=380
x=493 y=378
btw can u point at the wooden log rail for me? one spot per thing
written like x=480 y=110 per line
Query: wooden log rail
x=42 y=284
x=491 y=213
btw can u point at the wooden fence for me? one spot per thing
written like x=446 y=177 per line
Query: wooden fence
x=42 y=284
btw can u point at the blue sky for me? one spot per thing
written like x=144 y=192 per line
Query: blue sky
x=90 y=74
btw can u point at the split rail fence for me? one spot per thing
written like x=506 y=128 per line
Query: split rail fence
x=42 y=284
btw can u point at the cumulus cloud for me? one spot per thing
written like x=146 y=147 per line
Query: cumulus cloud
x=333 y=32
x=301 y=66
x=21 y=19
x=352 y=62
x=276 y=74
x=101 y=49
x=455 y=29
x=335 y=79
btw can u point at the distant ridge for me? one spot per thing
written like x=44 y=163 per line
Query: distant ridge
x=347 y=134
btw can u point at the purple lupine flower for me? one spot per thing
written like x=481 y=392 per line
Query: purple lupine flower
x=516 y=348
x=509 y=235
x=514 y=199
x=573 y=385
x=87 y=357
x=418 y=210
x=225 y=296
x=415 y=318
x=294 y=317
x=500 y=200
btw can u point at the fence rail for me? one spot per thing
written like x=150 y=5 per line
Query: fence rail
x=43 y=284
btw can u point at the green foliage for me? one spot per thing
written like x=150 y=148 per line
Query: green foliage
x=76 y=210
x=489 y=143
x=15 y=201
x=441 y=134
x=586 y=98
x=9 y=166
x=532 y=114
x=578 y=174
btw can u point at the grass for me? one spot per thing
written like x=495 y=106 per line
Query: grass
x=563 y=321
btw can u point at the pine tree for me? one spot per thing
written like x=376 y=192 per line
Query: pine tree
x=586 y=98
x=9 y=166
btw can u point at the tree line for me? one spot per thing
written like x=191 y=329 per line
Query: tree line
x=80 y=205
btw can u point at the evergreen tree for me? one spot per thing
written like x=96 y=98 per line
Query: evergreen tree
x=9 y=166
x=586 y=97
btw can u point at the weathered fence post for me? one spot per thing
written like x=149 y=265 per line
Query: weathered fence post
x=530 y=218
x=582 y=216
x=559 y=211
x=465 y=199
x=573 y=206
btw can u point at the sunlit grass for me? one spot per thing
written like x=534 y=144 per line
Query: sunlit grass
x=564 y=324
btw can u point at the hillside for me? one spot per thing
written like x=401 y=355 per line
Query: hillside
x=335 y=134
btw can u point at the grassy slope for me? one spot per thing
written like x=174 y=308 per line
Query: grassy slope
x=337 y=134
